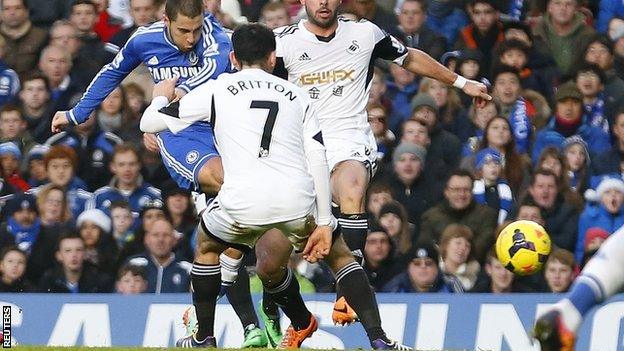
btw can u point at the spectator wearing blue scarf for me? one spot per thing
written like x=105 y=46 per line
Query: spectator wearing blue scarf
x=489 y=188
x=22 y=227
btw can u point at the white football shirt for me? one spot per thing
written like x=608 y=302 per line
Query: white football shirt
x=336 y=72
x=261 y=123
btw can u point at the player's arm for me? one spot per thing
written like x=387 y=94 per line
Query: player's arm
x=319 y=242
x=109 y=77
x=419 y=62
x=175 y=116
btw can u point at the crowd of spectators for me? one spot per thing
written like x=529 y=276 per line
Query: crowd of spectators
x=91 y=210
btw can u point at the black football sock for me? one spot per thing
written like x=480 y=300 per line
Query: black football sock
x=286 y=295
x=354 y=285
x=354 y=230
x=269 y=307
x=206 y=281
x=240 y=298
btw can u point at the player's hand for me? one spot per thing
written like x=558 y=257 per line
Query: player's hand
x=59 y=121
x=165 y=88
x=318 y=245
x=478 y=91
x=149 y=140
x=179 y=93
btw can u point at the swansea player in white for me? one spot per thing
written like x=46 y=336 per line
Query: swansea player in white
x=332 y=59
x=275 y=177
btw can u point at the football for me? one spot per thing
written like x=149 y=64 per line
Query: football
x=523 y=247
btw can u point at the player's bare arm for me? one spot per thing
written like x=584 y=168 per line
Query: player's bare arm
x=421 y=63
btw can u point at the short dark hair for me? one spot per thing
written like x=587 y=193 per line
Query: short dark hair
x=36 y=75
x=253 y=43
x=120 y=204
x=472 y=3
x=459 y=172
x=601 y=39
x=66 y=236
x=512 y=44
x=502 y=69
x=188 y=8
x=543 y=172
x=11 y=248
x=133 y=270
x=590 y=67
x=10 y=108
x=83 y=2
x=422 y=3
x=519 y=26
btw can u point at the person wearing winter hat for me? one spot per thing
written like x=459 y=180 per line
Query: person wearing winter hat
x=423 y=274
x=100 y=249
x=444 y=147
x=607 y=213
x=489 y=188
x=576 y=156
x=568 y=120
x=23 y=226
x=393 y=218
x=407 y=182
x=10 y=158
x=381 y=264
x=35 y=165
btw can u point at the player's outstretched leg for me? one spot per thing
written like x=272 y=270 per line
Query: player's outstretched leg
x=269 y=313
x=280 y=284
x=356 y=288
x=349 y=181
x=206 y=282
x=602 y=277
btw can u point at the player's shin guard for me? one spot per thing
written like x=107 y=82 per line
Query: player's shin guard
x=354 y=230
x=240 y=298
x=286 y=295
x=206 y=281
x=355 y=287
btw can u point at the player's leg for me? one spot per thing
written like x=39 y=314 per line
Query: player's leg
x=272 y=252
x=354 y=284
x=206 y=283
x=210 y=176
x=349 y=180
x=602 y=277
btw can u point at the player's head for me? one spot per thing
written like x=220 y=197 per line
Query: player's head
x=322 y=13
x=254 y=45
x=184 y=19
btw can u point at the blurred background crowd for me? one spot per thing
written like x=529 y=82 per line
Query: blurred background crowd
x=91 y=210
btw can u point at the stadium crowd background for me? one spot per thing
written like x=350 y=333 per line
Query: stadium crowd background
x=91 y=210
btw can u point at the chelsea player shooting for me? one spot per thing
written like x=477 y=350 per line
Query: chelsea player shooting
x=186 y=44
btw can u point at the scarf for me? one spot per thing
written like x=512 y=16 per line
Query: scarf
x=109 y=123
x=520 y=126
x=25 y=237
x=504 y=194
x=565 y=127
x=596 y=113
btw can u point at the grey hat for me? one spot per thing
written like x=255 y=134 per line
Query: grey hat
x=411 y=148
x=424 y=99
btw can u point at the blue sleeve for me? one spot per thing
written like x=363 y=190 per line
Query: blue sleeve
x=214 y=65
x=109 y=77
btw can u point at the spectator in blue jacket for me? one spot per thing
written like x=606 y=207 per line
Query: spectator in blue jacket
x=567 y=121
x=126 y=183
x=9 y=81
x=423 y=274
x=400 y=90
x=604 y=210
x=610 y=160
x=166 y=273
x=608 y=10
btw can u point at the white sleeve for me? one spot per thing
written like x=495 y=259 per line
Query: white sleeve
x=152 y=120
x=194 y=106
x=317 y=163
